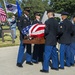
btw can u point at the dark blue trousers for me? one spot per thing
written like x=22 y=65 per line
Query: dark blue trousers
x=21 y=52
x=38 y=52
x=35 y=53
x=72 y=52
x=64 y=53
x=50 y=52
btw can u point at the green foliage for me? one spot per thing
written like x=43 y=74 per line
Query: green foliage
x=42 y=5
x=36 y=5
x=64 y=5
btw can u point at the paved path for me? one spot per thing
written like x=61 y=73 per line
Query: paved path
x=8 y=66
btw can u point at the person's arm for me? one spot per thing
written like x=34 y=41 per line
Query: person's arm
x=71 y=29
x=46 y=28
x=20 y=23
x=46 y=32
x=13 y=22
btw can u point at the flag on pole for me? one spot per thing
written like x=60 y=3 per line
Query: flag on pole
x=3 y=16
x=10 y=8
x=18 y=9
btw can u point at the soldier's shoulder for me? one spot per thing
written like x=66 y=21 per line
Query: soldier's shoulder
x=47 y=20
x=22 y=16
x=68 y=21
x=19 y=19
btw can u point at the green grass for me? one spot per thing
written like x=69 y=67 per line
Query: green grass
x=8 y=40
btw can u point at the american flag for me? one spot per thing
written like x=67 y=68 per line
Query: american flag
x=25 y=30
x=2 y=15
x=36 y=30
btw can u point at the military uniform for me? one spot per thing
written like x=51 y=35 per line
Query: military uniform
x=38 y=49
x=22 y=23
x=36 y=21
x=65 y=41
x=73 y=44
x=51 y=32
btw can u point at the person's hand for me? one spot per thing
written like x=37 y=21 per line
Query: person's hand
x=9 y=23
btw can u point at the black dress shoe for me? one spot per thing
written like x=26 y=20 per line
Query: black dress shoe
x=19 y=65
x=35 y=62
x=54 y=68
x=30 y=63
x=72 y=64
x=61 y=68
x=67 y=65
x=45 y=71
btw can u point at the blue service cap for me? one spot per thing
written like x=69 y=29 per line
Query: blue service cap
x=65 y=13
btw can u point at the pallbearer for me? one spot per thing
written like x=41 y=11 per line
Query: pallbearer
x=51 y=32
x=38 y=48
x=22 y=23
x=73 y=41
x=65 y=40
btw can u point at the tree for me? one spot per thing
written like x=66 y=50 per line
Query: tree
x=36 y=5
x=64 y=5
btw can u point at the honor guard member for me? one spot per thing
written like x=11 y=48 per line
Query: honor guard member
x=65 y=40
x=73 y=41
x=37 y=18
x=51 y=32
x=22 y=23
x=38 y=48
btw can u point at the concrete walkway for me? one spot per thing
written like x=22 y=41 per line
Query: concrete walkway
x=8 y=56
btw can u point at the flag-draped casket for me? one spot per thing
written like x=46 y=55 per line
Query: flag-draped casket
x=34 y=33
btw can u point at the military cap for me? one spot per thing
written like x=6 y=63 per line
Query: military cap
x=27 y=9
x=48 y=11
x=37 y=14
x=64 y=13
x=52 y=11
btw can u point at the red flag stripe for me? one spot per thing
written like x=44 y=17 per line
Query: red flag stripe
x=31 y=29
x=2 y=15
x=2 y=11
x=38 y=26
x=37 y=30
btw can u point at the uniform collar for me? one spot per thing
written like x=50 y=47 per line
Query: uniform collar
x=37 y=20
x=25 y=15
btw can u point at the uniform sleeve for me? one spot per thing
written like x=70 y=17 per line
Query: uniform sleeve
x=20 y=23
x=46 y=29
x=71 y=29
x=60 y=30
x=33 y=22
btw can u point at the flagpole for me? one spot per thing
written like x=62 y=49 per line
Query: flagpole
x=5 y=7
